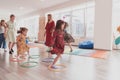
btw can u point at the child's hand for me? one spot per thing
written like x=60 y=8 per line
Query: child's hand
x=51 y=48
x=52 y=34
x=5 y=35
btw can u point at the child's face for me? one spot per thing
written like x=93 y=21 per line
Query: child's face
x=12 y=18
x=3 y=23
x=25 y=32
x=63 y=26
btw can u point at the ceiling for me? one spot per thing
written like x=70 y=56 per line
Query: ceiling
x=21 y=7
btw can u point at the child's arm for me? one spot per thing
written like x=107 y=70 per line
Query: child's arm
x=5 y=31
x=53 y=40
x=19 y=39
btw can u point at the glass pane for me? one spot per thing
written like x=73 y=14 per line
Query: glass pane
x=89 y=18
x=33 y=26
x=66 y=16
x=78 y=29
x=56 y=17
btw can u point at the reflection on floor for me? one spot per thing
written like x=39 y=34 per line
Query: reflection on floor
x=77 y=68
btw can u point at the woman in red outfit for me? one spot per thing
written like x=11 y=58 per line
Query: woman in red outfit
x=58 y=45
x=50 y=26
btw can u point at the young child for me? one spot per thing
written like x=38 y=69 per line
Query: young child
x=68 y=38
x=58 y=45
x=21 y=43
x=3 y=32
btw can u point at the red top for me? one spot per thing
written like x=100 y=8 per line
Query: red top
x=58 y=42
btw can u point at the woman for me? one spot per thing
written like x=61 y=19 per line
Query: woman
x=11 y=33
x=3 y=30
x=49 y=31
x=50 y=26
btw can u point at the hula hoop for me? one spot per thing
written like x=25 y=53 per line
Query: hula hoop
x=16 y=59
x=34 y=56
x=47 y=60
x=57 y=70
x=29 y=66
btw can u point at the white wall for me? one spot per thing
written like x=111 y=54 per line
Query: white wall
x=103 y=25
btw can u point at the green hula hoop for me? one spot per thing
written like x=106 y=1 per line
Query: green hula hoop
x=29 y=66
x=34 y=56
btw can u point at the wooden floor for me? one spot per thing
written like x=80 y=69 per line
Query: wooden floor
x=77 y=68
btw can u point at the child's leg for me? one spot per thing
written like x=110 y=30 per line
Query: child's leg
x=18 y=55
x=56 y=59
x=1 y=40
x=12 y=45
x=4 y=44
x=70 y=47
x=9 y=45
x=22 y=56
x=49 y=54
x=28 y=53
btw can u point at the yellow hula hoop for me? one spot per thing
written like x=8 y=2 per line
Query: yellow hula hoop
x=57 y=70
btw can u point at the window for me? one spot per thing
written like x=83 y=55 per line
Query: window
x=66 y=16
x=80 y=19
x=78 y=27
x=89 y=18
x=32 y=24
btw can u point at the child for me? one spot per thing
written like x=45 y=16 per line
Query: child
x=21 y=43
x=67 y=37
x=3 y=31
x=58 y=46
